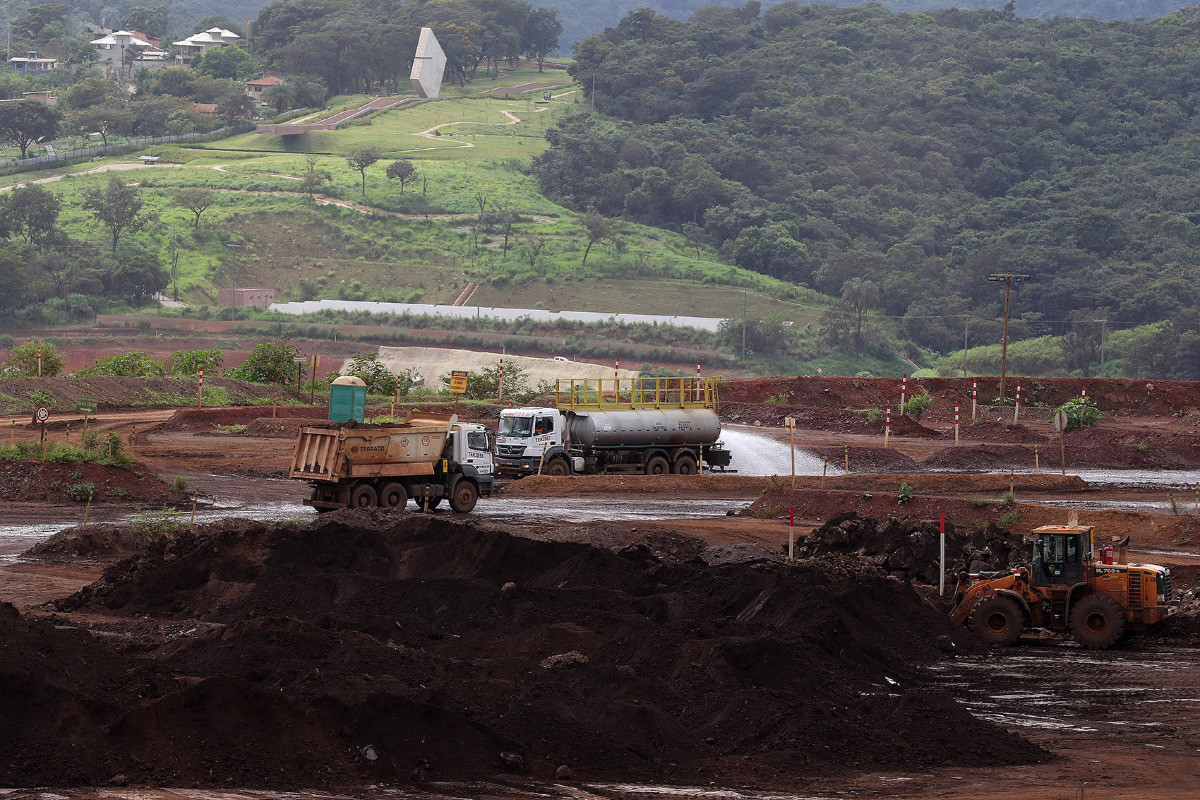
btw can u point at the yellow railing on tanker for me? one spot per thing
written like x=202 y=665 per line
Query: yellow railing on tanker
x=594 y=394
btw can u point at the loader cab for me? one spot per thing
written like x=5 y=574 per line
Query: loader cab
x=1061 y=555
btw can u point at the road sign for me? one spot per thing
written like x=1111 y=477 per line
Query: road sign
x=789 y=422
x=458 y=381
x=42 y=414
x=1060 y=421
x=86 y=405
x=299 y=359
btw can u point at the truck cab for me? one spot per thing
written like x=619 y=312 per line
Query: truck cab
x=471 y=444
x=525 y=435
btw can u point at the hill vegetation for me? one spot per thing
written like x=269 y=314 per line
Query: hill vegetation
x=914 y=154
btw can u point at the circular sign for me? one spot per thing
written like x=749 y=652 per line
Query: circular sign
x=43 y=414
x=404 y=441
x=1060 y=421
x=425 y=441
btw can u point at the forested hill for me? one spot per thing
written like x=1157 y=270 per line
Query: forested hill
x=920 y=151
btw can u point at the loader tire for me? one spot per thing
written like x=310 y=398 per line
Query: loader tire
x=558 y=467
x=658 y=465
x=1097 y=622
x=997 y=620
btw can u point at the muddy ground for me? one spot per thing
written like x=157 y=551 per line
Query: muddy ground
x=677 y=652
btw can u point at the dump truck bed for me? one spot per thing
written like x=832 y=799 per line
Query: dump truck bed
x=369 y=451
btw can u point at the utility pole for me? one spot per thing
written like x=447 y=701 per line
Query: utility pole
x=966 y=327
x=1103 y=331
x=1008 y=278
x=174 y=262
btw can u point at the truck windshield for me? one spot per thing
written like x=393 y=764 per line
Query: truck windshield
x=516 y=426
x=477 y=440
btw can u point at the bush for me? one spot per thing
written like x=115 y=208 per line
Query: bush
x=136 y=364
x=157 y=523
x=906 y=494
x=25 y=358
x=917 y=405
x=378 y=378
x=1081 y=413
x=81 y=492
x=180 y=484
x=190 y=362
x=269 y=362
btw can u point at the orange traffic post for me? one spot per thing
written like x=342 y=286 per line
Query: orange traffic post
x=88 y=508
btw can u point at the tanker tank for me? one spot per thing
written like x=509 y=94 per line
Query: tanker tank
x=641 y=427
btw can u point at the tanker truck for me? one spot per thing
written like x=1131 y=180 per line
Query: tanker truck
x=428 y=457
x=651 y=426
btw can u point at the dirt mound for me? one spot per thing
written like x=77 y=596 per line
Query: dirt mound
x=52 y=482
x=1090 y=448
x=60 y=395
x=396 y=647
x=210 y=420
x=973 y=458
x=99 y=542
x=868 y=459
x=910 y=548
x=986 y=430
x=907 y=426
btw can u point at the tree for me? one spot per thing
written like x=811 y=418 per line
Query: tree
x=860 y=295
x=117 y=208
x=401 y=170
x=25 y=358
x=195 y=200
x=378 y=378
x=540 y=35
x=31 y=212
x=25 y=122
x=596 y=226
x=269 y=362
x=232 y=63
x=137 y=364
x=313 y=177
x=134 y=272
x=190 y=362
x=148 y=19
x=360 y=158
x=505 y=217
x=102 y=119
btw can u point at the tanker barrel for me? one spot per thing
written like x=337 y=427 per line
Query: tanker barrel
x=642 y=427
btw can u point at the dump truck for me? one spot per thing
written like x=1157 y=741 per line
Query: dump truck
x=428 y=457
x=1066 y=589
x=651 y=426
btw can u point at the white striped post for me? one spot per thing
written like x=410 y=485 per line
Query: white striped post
x=1017 y=407
x=200 y=390
x=887 y=426
x=956 y=424
x=974 y=395
x=1083 y=394
x=903 y=392
x=500 y=384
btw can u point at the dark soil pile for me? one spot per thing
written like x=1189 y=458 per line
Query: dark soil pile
x=206 y=420
x=988 y=431
x=868 y=459
x=911 y=549
x=106 y=542
x=1090 y=448
x=978 y=457
x=112 y=394
x=372 y=648
x=48 y=481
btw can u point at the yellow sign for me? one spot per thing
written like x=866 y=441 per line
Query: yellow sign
x=458 y=381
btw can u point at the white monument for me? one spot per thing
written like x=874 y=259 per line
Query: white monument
x=429 y=64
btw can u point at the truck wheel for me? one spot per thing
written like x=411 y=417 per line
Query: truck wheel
x=1097 y=622
x=393 y=495
x=685 y=465
x=363 y=496
x=657 y=466
x=464 y=496
x=558 y=468
x=997 y=620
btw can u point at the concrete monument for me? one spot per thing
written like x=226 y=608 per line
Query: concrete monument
x=429 y=64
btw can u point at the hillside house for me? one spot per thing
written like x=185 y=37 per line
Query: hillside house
x=125 y=51
x=32 y=64
x=188 y=50
x=256 y=87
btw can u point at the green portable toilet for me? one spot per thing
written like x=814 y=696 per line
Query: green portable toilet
x=347 y=399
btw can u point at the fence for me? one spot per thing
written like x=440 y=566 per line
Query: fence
x=26 y=164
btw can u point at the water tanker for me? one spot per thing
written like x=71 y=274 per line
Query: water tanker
x=651 y=426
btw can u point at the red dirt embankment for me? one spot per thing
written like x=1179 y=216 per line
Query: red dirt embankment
x=373 y=647
x=50 y=482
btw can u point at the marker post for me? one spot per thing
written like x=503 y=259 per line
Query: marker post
x=846 y=452
x=956 y=424
x=903 y=392
x=1036 y=466
x=1017 y=407
x=887 y=426
x=974 y=396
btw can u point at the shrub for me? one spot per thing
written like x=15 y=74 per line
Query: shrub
x=1009 y=518
x=180 y=484
x=157 y=523
x=1009 y=499
x=917 y=405
x=81 y=492
x=765 y=512
x=190 y=362
x=906 y=494
x=1081 y=413
x=136 y=364
x=981 y=502
x=25 y=358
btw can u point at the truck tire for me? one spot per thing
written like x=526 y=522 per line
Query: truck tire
x=393 y=495
x=1097 y=622
x=685 y=464
x=363 y=496
x=464 y=496
x=997 y=620
x=558 y=468
x=657 y=466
